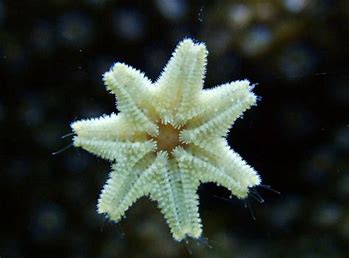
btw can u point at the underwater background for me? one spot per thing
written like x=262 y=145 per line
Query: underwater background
x=52 y=57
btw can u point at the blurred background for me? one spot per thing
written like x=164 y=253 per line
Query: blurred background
x=52 y=57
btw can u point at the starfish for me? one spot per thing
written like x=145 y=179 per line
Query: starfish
x=169 y=137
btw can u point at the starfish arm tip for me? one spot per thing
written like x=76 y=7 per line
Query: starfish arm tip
x=121 y=74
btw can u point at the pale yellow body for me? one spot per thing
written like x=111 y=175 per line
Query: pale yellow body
x=169 y=137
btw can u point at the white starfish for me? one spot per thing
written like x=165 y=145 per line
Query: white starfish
x=169 y=137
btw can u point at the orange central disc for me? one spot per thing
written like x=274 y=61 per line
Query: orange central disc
x=168 y=138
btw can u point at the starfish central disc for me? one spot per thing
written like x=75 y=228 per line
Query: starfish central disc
x=168 y=138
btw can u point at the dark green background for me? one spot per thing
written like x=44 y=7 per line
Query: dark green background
x=52 y=56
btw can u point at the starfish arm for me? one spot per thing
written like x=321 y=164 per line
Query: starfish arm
x=108 y=127
x=205 y=172
x=236 y=167
x=116 y=150
x=121 y=192
x=222 y=106
x=133 y=91
x=118 y=184
x=176 y=195
x=221 y=155
x=181 y=82
x=166 y=196
x=189 y=184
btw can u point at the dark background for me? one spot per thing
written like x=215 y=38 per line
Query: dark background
x=52 y=56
